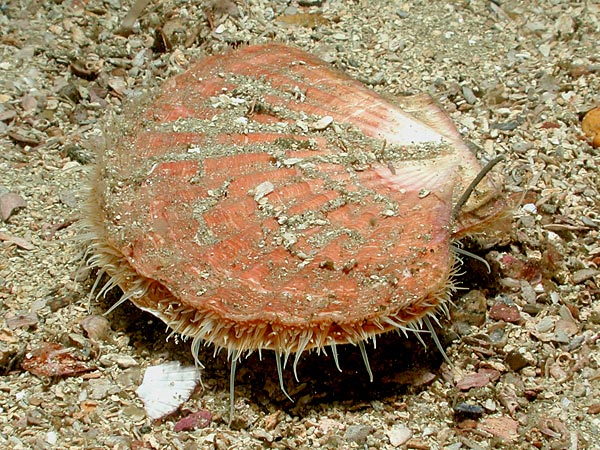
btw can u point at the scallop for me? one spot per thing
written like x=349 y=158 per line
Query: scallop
x=262 y=200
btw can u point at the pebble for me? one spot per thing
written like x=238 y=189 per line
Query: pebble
x=134 y=412
x=262 y=435
x=9 y=203
x=126 y=361
x=357 y=433
x=503 y=427
x=468 y=411
x=507 y=313
x=480 y=379
x=471 y=309
x=24 y=321
x=545 y=325
x=262 y=190
x=490 y=405
x=96 y=327
x=322 y=123
x=310 y=2
x=469 y=95
x=100 y=388
x=583 y=275
x=515 y=360
x=455 y=446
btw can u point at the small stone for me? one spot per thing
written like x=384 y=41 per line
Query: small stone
x=77 y=340
x=117 y=84
x=595 y=315
x=508 y=398
x=506 y=126
x=469 y=95
x=568 y=327
x=545 y=49
x=507 y=313
x=101 y=388
x=532 y=309
x=52 y=437
x=545 y=325
x=262 y=435
x=516 y=361
x=135 y=413
x=490 y=405
x=310 y=2
x=594 y=409
x=479 y=379
x=25 y=321
x=272 y=420
x=465 y=410
x=128 y=378
x=357 y=433
x=583 y=275
x=125 y=362
x=471 y=309
x=557 y=372
x=262 y=190
x=9 y=203
x=202 y=419
x=502 y=427
x=399 y=434
x=68 y=198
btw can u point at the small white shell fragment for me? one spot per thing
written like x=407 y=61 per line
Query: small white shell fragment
x=302 y=125
x=262 y=190
x=52 y=437
x=529 y=208
x=292 y=161
x=322 y=123
x=165 y=387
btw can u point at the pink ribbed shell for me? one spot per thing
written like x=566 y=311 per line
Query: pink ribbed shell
x=263 y=200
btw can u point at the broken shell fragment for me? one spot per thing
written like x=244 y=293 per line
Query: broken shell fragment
x=9 y=203
x=254 y=234
x=166 y=387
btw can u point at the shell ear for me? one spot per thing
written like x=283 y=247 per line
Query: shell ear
x=425 y=109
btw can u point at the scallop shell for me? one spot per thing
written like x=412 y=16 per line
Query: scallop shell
x=262 y=200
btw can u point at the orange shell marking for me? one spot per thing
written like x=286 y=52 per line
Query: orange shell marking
x=263 y=200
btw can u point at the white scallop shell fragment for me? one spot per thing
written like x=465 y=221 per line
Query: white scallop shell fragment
x=262 y=190
x=323 y=123
x=165 y=387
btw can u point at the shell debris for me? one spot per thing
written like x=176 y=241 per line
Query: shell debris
x=166 y=387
